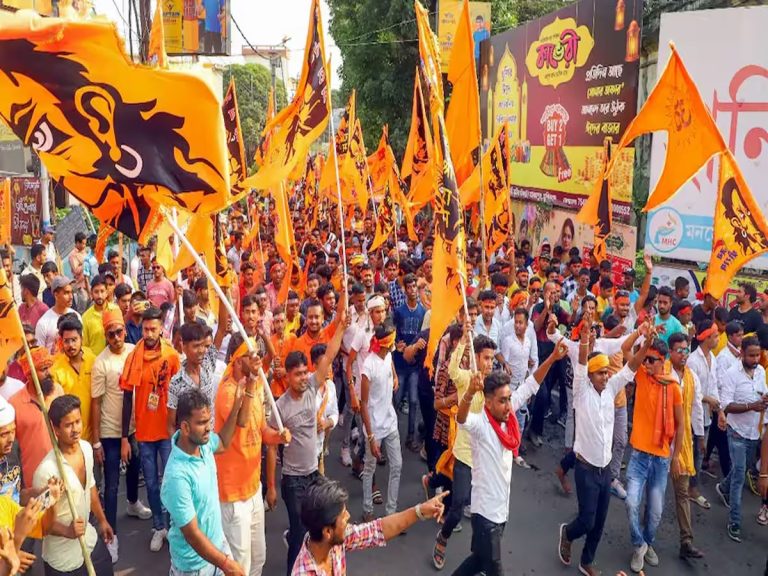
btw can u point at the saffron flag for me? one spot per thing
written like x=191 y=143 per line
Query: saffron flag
x=418 y=171
x=206 y=236
x=262 y=149
x=462 y=122
x=385 y=218
x=11 y=334
x=496 y=218
x=156 y=51
x=355 y=168
x=302 y=121
x=311 y=193
x=448 y=259
x=5 y=210
x=337 y=151
x=675 y=106
x=470 y=190
x=379 y=165
x=429 y=60
x=284 y=239
x=123 y=139
x=740 y=227
x=105 y=231
x=344 y=130
x=597 y=211
x=235 y=145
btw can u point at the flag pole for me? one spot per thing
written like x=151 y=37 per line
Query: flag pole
x=472 y=359
x=483 y=255
x=55 y=444
x=338 y=191
x=224 y=300
x=180 y=303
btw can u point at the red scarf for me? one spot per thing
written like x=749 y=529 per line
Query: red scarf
x=512 y=437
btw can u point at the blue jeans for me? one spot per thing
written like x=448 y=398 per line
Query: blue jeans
x=740 y=449
x=152 y=476
x=112 y=476
x=645 y=469
x=408 y=380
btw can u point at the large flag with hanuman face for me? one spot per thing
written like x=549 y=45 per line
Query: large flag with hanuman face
x=122 y=138
x=235 y=144
x=448 y=259
x=304 y=119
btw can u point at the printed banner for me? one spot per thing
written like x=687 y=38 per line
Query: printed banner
x=26 y=210
x=730 y=75
x=5 y=210
x=197 y=27
x=564 y=82
x=543 y=225
x=448 y=12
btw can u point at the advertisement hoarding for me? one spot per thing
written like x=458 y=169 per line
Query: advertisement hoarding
x=448 y=13
x=732 y=78
x=564 y=82
x=26 y=210
x=197 y=27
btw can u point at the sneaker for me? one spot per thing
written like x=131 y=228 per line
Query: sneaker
x=423 y=453
x=112 y=548
x=723 y=495
x=589 y=570
x=752 y=483
x=734 y=532
x=346 y=457
x=651 y=557
x=536 y=440
x=762 y=517
x=138 y=510
x=156 y=544
x=404 y=408
x=467 y=511
x=564 y=547
x=561 y=422
x=520 y=461
x=458 y=528
x=618 y=490
x=638 y=558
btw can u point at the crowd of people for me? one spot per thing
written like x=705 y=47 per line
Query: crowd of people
x=148 y=377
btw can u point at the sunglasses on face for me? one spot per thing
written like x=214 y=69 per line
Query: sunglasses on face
x=651 y=360
x=682 y=350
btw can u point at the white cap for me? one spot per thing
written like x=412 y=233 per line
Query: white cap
x=7 y=413
x=375 y=302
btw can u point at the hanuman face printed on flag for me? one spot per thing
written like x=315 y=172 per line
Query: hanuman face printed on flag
x=746 y=233
x=101 y=146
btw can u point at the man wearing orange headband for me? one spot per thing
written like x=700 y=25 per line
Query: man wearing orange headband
x=594 y=391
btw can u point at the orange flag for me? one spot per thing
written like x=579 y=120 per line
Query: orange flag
x=379 y=164
x=344 y=131
x=462 y=122
x=355 y=168
x=385 y=218
x=740 y=227
x=418 y=171
x=156 y=50
x=5 y=210
x=337 y=152
x=675 y=106
x=469 y=192
x=597 y=210
x=284 y=239
x=448 y=258
x=235 y=146
x=11 y=335
x=429 y=61
x=305 y=119
x=105 y=231
x=311 y=195
x=496 y=220
x=123 y=139
x=262 y=149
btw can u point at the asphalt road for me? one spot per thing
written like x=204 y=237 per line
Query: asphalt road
x=530 y=540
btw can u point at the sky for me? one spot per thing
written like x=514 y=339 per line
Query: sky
x=263 y=22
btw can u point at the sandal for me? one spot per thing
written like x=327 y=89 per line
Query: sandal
x=701 y=501
x=377 y=498
x=438 y=552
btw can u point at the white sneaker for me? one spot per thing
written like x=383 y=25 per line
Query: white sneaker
x=346 y=458
x=618 y=490
x=468 y=511
x=156 y=544
x=112 y=547
x=638 y=558
x=138 y=510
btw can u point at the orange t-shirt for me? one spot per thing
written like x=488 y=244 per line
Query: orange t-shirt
x=31 y=434
x=278 y=385
x=644 y=419
x=305 y=342
x=239 y=466
x=150 y=390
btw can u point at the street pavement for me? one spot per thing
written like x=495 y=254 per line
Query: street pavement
x=530 y=540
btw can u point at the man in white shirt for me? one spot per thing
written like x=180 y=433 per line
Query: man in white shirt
x=744 y=396
x=594 y=392
x=703 y=363
x=495 y=438
x=487 y=323
x=47 y=331
x=520 y=354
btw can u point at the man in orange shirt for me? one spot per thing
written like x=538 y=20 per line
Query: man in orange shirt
x=315 y=333
x=239 y=466
x=147 y=374
x=657 y=422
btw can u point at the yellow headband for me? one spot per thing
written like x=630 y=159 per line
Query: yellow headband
x=597 y=363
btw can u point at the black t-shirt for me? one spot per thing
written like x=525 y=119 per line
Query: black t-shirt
x=751 y=319
x=699 y=314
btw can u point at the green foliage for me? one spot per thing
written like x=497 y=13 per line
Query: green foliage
x=252 y=83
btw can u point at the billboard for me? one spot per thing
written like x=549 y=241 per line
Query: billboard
x=26 y=210
x=564 y=82
x=197 y=27
x=541 y=225
x=448 y=13
x=732 y=78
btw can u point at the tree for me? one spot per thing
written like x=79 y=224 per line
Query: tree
x=252 y=84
